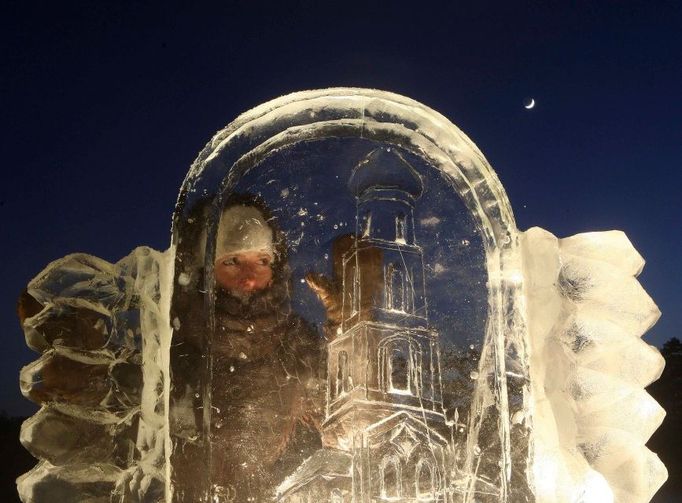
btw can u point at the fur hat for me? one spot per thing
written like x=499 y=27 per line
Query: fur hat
x=243 y=228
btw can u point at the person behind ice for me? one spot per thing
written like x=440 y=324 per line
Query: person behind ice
x=245 y=252
x=266 y=391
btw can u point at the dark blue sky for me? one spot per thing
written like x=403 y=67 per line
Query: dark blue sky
x=105 y=106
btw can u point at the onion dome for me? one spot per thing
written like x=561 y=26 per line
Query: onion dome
x=385 y=169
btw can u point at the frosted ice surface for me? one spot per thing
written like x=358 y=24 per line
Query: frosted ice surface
x=589 y=369
x=94 y=323
x=347 y=313
x=372 y=301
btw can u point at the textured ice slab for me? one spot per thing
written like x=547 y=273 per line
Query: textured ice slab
x=412 y=344
x=589 y=368
x=99 y=327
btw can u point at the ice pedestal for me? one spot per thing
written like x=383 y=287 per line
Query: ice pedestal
x=461 y=360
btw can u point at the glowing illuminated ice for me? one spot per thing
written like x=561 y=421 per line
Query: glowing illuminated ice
x=346 y=313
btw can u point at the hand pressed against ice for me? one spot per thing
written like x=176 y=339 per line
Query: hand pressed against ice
x=245 y=272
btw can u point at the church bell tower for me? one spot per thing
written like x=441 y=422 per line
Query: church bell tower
x=384 y=358
x=385 y=434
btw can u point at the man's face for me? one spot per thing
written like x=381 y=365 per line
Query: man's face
x=244 y=273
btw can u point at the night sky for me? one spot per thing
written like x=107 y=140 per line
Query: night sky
x=104 y=105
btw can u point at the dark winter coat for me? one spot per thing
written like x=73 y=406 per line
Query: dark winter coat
x=266 y=394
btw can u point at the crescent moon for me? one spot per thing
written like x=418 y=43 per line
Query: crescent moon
x=530 y=105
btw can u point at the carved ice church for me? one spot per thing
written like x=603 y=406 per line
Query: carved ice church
x=385 y=433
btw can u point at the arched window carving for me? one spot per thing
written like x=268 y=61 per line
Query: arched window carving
x=342 y=374
x=425 y=481
x=367 y=225
x=397 y=364
x=395 y=288
x=390 y=478
x=400 y=232
x=336 y=496
x=398 y=288
x=355 y=300
x=399 y=369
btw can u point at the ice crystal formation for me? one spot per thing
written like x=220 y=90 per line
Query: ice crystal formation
x=346 y=313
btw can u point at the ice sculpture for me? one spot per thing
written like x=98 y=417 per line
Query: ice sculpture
x=346 y=313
